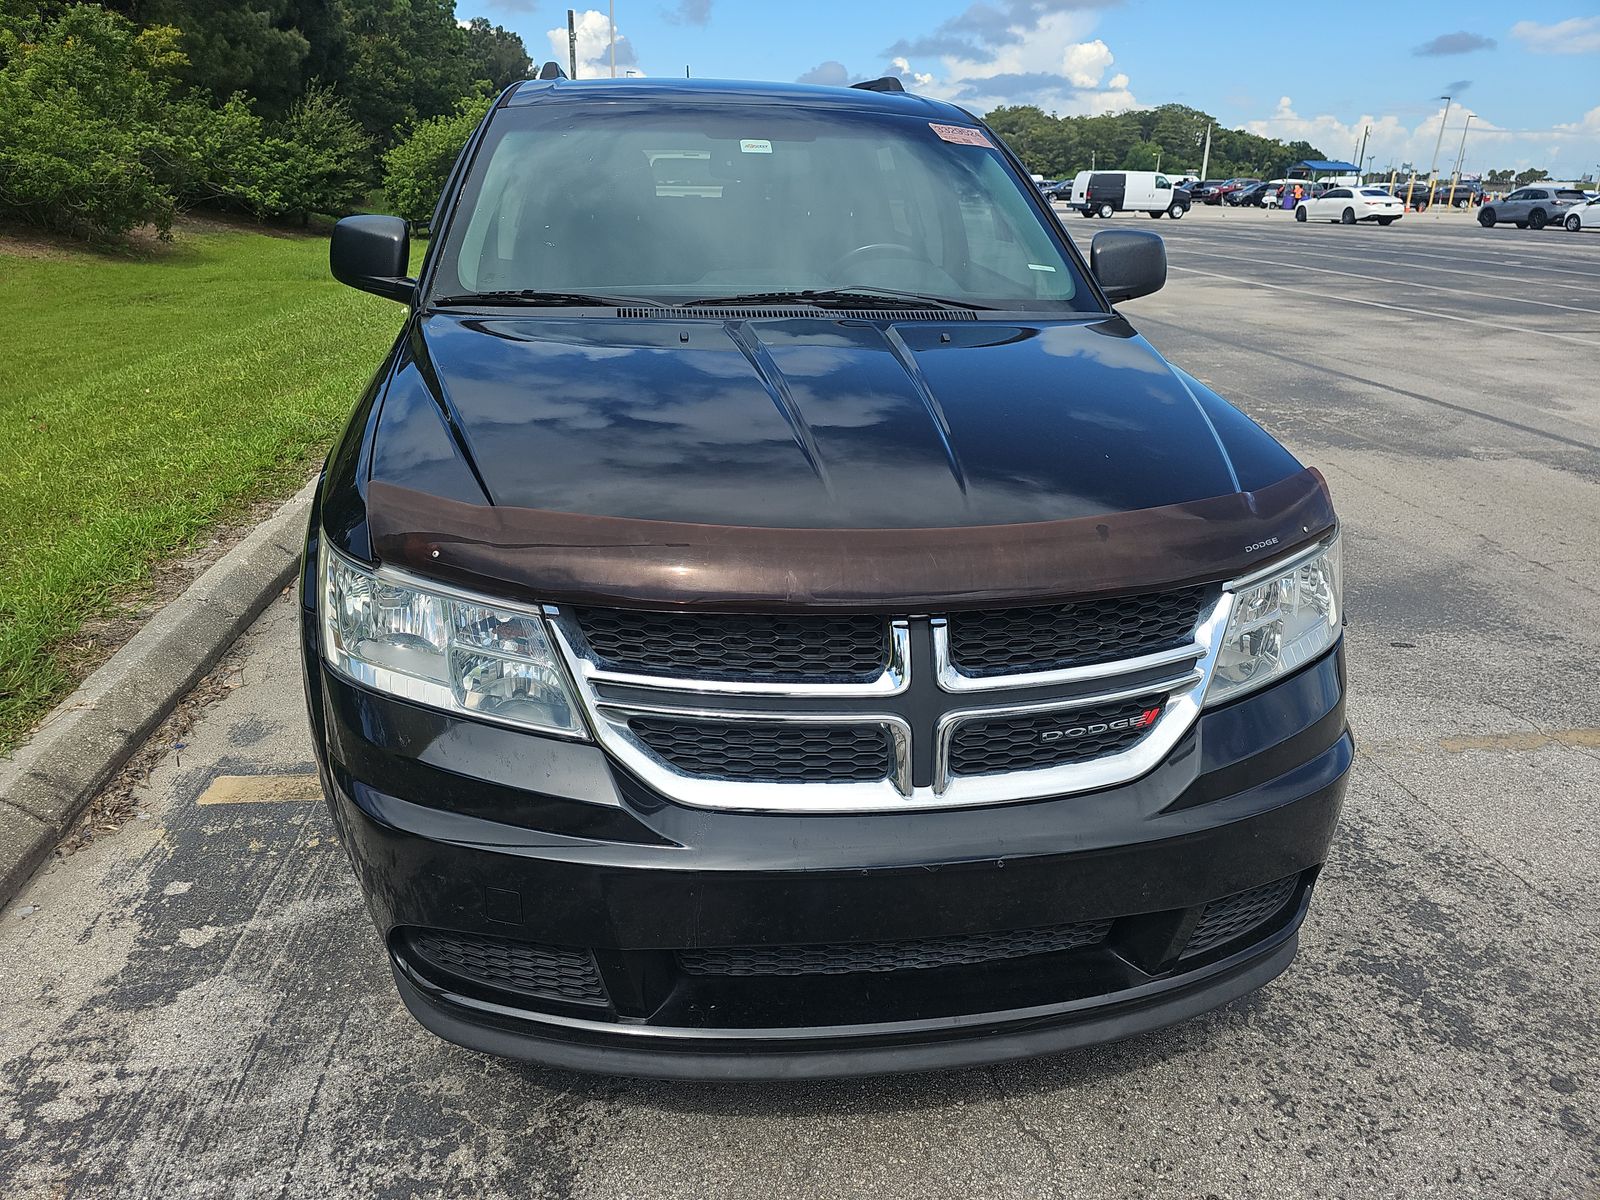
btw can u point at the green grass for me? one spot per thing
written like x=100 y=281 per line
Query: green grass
x=143 y=401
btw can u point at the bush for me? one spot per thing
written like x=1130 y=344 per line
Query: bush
x=415 y=171
x=316 y=160
x=83 y=125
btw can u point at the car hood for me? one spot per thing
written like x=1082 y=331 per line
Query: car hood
x=813 y=423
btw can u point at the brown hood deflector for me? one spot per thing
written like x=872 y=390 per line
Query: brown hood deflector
x=571 y=558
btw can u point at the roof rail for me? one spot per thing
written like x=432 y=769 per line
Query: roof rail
x=889 y=83
x=552 y=70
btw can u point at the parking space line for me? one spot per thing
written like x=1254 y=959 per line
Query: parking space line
x=1432 y=287
x=1497 y=326
x=1585 y=738
x=261 y=789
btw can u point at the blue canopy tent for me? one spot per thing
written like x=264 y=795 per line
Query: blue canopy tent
x=1311 y=168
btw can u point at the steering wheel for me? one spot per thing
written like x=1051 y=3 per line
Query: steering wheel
x=868 y=253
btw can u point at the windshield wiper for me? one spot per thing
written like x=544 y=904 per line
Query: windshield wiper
x=534 y=297
x=835 y=298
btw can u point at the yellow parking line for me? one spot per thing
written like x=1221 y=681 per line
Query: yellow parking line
x=1524 y=741
x=261 y=789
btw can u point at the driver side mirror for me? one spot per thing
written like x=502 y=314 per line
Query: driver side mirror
x=1128 y=264
x=370 y=252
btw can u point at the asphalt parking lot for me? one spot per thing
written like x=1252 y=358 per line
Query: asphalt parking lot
x=195 y=1004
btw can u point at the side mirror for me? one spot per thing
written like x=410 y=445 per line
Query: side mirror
x=1128 y=264
x=371 y=252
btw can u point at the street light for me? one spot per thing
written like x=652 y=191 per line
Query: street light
x=1433 y=171
x=1461 y=158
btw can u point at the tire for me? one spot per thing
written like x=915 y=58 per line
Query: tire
x=1486 y=217
x=1520 y=224
x=1158 y=213
x=1537 y=219
x=1463 y=205
x=1176 y=211
x=1574 y=222
x=1386 y=220
x=1106 y=212
x=1348 y=217
x=1084 y=212
x=1300 y=214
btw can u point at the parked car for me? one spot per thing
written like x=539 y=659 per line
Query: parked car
x=1220 y=194
x=1106 y=193
x=1460 y=195
x=1583 y=216
x=1060 y=192
x=1201 y=192
x=792 y=632
x=1269 y=194
x=1531 y=207
x=1350 y=205
x=1412 y=192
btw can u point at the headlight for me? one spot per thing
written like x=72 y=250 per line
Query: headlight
x=1280 y=622
x=442 y=648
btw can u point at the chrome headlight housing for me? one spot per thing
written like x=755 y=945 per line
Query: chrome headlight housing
x=1280 y=619
x=448 y=649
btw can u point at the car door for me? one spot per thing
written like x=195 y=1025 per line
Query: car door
x=1160 y=193
x=1518 y=204
x=1331 y=205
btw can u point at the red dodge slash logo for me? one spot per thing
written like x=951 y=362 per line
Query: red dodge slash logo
x=1143 y=721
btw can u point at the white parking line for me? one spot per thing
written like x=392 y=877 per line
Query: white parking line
x=1418 y=312
x=1432 y=287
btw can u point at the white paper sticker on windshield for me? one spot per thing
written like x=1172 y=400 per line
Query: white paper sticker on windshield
x=960 y=135
x=755 y=146
x=1041 y=267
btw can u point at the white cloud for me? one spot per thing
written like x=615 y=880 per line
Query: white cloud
x=594 y=46
x=1567 y=150
x=1085 y=63
x=1576 y=35
x=918 y=80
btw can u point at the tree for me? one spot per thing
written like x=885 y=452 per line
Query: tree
x=416 y=170
x=496 y=55
x=1531 y=175
x=408 y=62
x=86 y=125
x=321 y=158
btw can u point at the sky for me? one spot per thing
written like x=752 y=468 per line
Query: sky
x=1529 y=75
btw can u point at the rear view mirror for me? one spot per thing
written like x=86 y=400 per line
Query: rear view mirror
x=1128 y=264
x=371 y=253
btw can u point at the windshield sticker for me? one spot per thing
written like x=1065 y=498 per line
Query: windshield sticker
x=1041 y=267
x=755 y=146
x=961 y=135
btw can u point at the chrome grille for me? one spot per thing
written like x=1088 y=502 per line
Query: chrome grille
x=760 y=712
x=769 y=751
x=1049 y=739
x=1015 y=640
x=736 y=645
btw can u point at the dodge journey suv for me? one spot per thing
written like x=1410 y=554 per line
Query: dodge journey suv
x=771 y=615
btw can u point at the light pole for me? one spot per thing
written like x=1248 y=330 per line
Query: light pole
x=1433 y=171
x=613 y=11
x=1461 y=158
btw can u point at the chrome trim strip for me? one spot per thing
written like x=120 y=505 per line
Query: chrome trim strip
x=896 y=677
x=1285 y=564
x=953 y=679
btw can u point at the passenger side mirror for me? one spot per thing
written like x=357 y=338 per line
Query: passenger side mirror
x=1128 y=264
x=371 y=252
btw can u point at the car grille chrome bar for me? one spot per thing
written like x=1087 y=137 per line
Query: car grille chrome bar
x=897 y=704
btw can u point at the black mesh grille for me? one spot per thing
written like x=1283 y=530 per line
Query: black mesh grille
x=891 y=956
x=1007 y=640
x=530 y=969
x=737 y=646
x=1233 y=916
x=1050 y=739
x=768 y=751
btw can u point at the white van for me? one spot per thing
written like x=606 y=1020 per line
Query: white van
x=1103 y=193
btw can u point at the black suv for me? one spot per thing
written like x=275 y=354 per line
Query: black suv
x=793 y=624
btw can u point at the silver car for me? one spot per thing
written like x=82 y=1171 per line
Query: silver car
x=1531 y=207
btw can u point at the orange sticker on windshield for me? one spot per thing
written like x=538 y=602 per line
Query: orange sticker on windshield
x=961 y=135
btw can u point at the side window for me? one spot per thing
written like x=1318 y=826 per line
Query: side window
x=1517 y=196
x=1161 y=183
x=1337 y=194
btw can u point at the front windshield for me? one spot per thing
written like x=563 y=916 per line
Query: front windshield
x=698 y=202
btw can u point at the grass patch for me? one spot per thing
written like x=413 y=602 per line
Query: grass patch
x=144 y=400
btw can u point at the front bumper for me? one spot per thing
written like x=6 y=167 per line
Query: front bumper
x=529 y=855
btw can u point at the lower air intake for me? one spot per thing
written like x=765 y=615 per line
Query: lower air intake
x=917 y=955
x=1234 y=916
x=526 y=968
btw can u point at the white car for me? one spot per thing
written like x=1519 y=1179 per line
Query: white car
x=1584 y=216
x=1347 y=205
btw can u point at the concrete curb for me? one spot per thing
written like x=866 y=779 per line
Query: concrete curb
x=87 y=738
